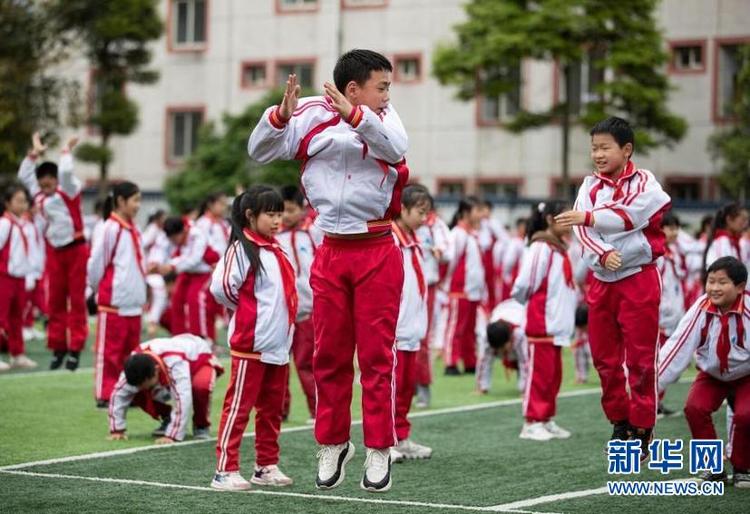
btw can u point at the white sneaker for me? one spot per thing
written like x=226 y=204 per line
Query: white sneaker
x=535 y=432
x=22 y=362
x=408 y=449
x=377 y=475
x=231 y=481
x=554 y=429
x=270 y=475
x=332 y=459
x=4 y=366
x=27 y=334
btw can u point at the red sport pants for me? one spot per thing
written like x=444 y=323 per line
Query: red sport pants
x=424 y=357
x=624 y=329
x=116 y=337
x=303 y=346
x=68 y=323
x=193 y=307
x=461 y=339
x=542 y=382
x=406 y=386
x=12 y=299
x=356 y=294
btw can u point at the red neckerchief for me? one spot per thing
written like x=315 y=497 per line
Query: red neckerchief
x=14 y=223
x=617 y=184
x=723 y=344
x=734 y=239
x=410 y=241
x=285 y=267
x=134 y=237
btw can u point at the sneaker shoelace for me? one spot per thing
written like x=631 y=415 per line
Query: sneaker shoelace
x=377 y=460
x=328 y=456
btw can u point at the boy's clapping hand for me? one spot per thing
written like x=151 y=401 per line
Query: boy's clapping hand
x=340 y=102
x=613 y=261
x=571 y=218
x=291 y=97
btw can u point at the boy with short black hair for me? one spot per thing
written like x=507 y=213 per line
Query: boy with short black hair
x=617 y=218
x=715 y=330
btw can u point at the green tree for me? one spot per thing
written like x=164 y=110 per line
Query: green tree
x=621 y=38
x=731 y=146
x=114 y=35
x=30 y=98
x=220 y=161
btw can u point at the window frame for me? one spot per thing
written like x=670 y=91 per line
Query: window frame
x=481 y=121
x=414 y=56
x=674 y=45
x=346 y=5
x=294 y=61
x=172 y=45
x=282 y=9
x=244 y=85
x=169 y=159
x=718 y=117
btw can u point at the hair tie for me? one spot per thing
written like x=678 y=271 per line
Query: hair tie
x=541 y=207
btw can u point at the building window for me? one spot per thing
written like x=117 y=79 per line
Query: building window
x=685 y=189
x=687 y=58
x=353 y=4
x=583 y=79
x=189 y=24
x=305 y=72
x=498 y=108
x=499 y=190
x=253 y=75
x=296 y=5
x=408 y=68
x=182 y=136
x=728 y=68
x=454 y=188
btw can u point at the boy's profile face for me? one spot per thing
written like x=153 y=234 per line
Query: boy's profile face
x=292 y=214
x=671 y=231
x=608 y=156
x=47 y=185
x=150 y=382
x=721 y=290
x=375 y=93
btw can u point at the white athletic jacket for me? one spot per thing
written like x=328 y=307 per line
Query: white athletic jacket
x=117 y=268
x=15 y=247
x=191 y=256
x=671 y=266
x=217 y=231
x=37 y=251
x=156 y=244
x=300 y=245
x=627 y=218
x=260 y=326
x=723 y=245
x=351 y=168
x=465 y=277
x=61 y=210
x=512 y=252
x=412 y=315
x=545 y=281
x=699 y=333
x=434 y=234
x=177 y=359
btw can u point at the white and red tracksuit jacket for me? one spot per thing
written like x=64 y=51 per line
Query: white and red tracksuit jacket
x=37 y=252
x=719 y=342
x=434 y=234
x=177 y=359
x=156 y=244
x=627 y=218
x=465 y=275
x=15 y=258
x=412 y=315
x=117 y=268
x=725 y=244
x=195 y=255
x=299 y=245
x=545 y=281
x=217 y=231
x=353 y=170
x=61 y=210
x=672 y=269
x=263 y=307
x=512 y=252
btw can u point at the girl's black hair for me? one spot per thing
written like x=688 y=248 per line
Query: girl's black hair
x=670 y=219
x=257 y=199
x=730 y=210
x=10 y=191
x=211 y=198
x=173 y=225
x=416 y=194
x=122 y=190
x=160 y=213
x=539 y=212
x=465 y=206
x=705 y=225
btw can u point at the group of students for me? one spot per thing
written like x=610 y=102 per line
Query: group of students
x=371 y=270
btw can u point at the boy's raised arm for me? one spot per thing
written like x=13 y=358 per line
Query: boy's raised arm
x=678 y=350
x=276 y=136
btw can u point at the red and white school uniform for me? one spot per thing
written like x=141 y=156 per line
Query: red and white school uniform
x=264 y=307
x=432 y=235
x=672 y=269
x=721 y=347
x=187 y=373
x=156 y=249
x=299 y=245
x=36 y=283
x=411 y=328
x=511 y=263
x=513 y=313
x=465 y=282
x=545 y=282
x=353 y=173
x=624 y=304
x=193 y=311
x=724 y=244
x=67 y=254
x=14 y=267
x=116 y=271
x=217 y=231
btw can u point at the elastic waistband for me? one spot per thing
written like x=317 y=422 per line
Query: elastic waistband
x=547 y=339
x=73 y=243
x=385 y=239
x=245 y=355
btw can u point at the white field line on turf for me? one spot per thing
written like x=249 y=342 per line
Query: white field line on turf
x=402 y=503
x=505 y=507
x=48 y=373
x=128 y=451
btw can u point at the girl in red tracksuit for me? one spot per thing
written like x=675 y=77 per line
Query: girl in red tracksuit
x=255 y=280
x=545 y=282
x=465 y=282
x=117 y=271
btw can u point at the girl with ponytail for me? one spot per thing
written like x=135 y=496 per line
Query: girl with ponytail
x=725 y=234
x=117 y=273
x=256 y=281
